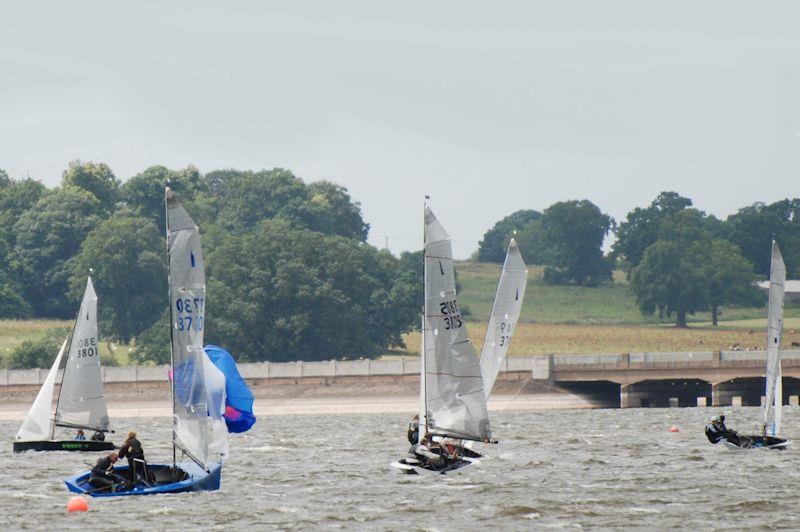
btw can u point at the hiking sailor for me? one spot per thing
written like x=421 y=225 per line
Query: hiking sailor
x=716 y=431
x=413 y=430
x=102 y=476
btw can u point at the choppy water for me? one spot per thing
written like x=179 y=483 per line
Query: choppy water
x=583 y=469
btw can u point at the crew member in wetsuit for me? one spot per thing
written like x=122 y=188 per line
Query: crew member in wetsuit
x=413 y=430
x=98 y=436
x=102 y=474
x=132 y=450
x=716 y=431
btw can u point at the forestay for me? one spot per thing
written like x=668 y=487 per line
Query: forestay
x=199 y=387
x=774 y=388
x=38 y=424
x=505 y=313
x=453 y=387
x=81 y=402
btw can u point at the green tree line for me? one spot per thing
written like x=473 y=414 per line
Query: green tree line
x=678 y=259
x=290 y=275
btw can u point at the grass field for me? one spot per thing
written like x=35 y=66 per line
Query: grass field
x=555 y=319
x=612 y=305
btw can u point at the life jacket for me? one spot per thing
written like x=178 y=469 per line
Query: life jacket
x=714 y=433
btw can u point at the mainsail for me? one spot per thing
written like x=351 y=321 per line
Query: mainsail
x=505 y=312
x=38 y=424
x=81 y=402
x=198 y=386
x=453 y=400
x=774 y=390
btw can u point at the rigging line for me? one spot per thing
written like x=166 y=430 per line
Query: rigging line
x=438 y=258
x=454 y=375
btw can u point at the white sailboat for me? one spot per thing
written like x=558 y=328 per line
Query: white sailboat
x=773 y=405
x=452 y=397
x=81 y=404
x=199 y=432
x=505 y=313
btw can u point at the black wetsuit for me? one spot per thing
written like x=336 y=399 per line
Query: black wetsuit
x=132 y=450
x=719 y=432
x=413 y=432
x=98 y=436
x=102 y=476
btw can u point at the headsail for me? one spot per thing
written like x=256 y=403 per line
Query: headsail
x=774 y=388
x=198 y=386
x=81 y=402
x=453 y=384
x=505 y=312
x=38 y=424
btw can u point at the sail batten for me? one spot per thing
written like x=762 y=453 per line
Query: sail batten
x=505 y=313
x=774 y=390
x=198 y=385
x=452 y=383
x=81 y=401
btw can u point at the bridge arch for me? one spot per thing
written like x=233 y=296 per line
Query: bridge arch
x=666 y=393
x=749 y=391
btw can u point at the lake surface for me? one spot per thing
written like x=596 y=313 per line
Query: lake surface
x=604 y=469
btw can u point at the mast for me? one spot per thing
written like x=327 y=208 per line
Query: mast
x=423 y=418
x=171 y=320
x=64 y=376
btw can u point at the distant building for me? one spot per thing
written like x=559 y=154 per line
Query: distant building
x=791 y=289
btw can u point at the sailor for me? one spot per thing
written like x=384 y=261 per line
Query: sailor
x=716 y=431
x=98 y=436
x=80 y=435
x=131 y=449
x=102 y=475
x=413 y=430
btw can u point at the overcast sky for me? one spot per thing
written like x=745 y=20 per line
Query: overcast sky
x=488 y=107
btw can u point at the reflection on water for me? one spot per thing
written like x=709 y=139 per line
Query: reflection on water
x=588 y=468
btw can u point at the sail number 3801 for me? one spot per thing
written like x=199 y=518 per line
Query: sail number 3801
x=87 y=347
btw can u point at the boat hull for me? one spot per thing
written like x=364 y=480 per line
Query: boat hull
x=758 y=442
x=412 y=466
x=192 y=478
x=63 y=445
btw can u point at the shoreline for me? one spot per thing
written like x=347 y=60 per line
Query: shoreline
x=316 y=399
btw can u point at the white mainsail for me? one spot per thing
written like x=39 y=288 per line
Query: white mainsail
x=452 y=383
x=774 y=389
x=198 y=385
x=505 y=313
x=38 y=424
x=81 y=402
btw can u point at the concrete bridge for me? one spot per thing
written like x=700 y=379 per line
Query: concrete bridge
x=717 y=378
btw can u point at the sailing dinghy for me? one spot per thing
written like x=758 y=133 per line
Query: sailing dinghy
x=198 y=386
x=773 y=405
x=452 y=395
x=81 y=404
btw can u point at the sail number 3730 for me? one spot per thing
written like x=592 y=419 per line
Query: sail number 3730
x=189 y=315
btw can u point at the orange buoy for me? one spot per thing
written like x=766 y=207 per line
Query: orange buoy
x=674 y=429
x=77 y=504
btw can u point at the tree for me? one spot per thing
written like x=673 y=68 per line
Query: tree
x=153 y=345
x=37 y=353
x=242 y=199
x=531 y=243
x=495 y=241
x=752 y=229
x=572 y=235
x=688 y=270
x=282 y=293
x=49 y=235
x=96 y=179
x=144 y=192
x=641 y=228
x=127 y=254
x=16 y=197
x=728 y=277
